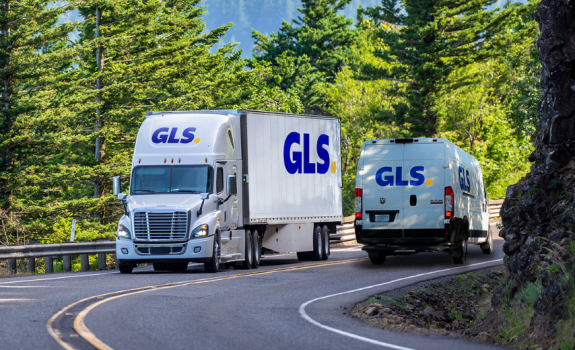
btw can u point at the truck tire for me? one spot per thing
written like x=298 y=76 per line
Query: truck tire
x=160 y=266
x=214 y=264
x=316 y=254
x=249 y=242
x=462 y=256
x=487 y=247
x=257 y=249
x=377 y=258
x=126 y=268
x=325 y=237
x=177 y=266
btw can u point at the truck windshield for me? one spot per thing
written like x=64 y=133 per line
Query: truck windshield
x=172 y=179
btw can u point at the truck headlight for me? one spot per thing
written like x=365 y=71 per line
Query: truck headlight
x=200 y=231
x=123 y=232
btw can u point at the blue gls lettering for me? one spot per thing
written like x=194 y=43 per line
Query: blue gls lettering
x=295 y=162
x=415 y=173
x=388 y=180
x=293 y=165
x=161 y=135
x=157 y=138
x=464 y=182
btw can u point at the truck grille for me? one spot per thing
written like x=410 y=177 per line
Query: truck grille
x=160 y=226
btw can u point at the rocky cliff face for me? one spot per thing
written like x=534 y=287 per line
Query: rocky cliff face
x=538 y=214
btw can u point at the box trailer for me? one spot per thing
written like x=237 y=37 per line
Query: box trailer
x=222 y=186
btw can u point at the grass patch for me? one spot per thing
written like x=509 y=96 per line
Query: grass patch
x=516 y=320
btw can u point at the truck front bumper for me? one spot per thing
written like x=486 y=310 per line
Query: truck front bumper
x=194 y=250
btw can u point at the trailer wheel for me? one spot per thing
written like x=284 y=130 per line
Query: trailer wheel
x=248 y=262
x=214 y=264
x=487 y=247
x=325 y=246
x=160 y=266
x=316 y=254
x=126 y=268
x=257 y=249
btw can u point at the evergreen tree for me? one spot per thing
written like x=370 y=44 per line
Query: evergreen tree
x=319 y=40
x=430 y=39
x=35 y=61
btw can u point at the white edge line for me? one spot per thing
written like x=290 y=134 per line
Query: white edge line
x=368 y=340
x=57 y=278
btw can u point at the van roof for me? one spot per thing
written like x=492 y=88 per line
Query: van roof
x=237 y=112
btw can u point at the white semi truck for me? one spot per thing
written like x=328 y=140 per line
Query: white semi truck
x=222 y=186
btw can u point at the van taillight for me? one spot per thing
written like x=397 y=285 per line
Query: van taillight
x=358 y=206
x=448 y=202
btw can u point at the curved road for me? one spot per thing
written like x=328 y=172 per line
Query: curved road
x=273 y=307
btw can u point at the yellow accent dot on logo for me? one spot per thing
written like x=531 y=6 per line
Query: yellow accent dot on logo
x=429 y=182
x=333 y=167
x=197 y=140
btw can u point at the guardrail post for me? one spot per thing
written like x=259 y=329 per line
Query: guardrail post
x=31 y=265
x=116 y=264
x=67 y=263
x=49 y=264
x=12 y=266
x=84 y=262
x=101 y=261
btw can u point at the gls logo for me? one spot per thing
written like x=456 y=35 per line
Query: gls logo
x=293 y=160
x=464 y=182
x=165 y=135
x=388 y=180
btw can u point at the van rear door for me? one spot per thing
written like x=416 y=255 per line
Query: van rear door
x=382 y=199
x=423 y=207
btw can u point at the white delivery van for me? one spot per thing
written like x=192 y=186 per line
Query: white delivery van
x=417 y=195
x=219 y=186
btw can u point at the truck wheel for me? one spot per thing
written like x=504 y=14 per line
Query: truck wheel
x=487 y=247
x=214 y=264
x=247 y=264
x=257 y=249
x=160 y=266
x=126 y=268
x=377 y=259
x=316 y=254
x=325 y=247
x=462 y=252
x=177 y=266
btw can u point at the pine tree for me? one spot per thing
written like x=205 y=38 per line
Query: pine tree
x=319 y=39
x=35 y=61
x=427 y=40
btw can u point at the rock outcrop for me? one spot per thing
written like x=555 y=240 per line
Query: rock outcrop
x=538 y=214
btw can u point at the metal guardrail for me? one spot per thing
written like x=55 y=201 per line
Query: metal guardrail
x=495 y=207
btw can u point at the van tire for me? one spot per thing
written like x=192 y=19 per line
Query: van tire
x=462 y=256
x=257 y=249
x=325 y=237
x=160 y=266
x=487 y=247
x=126 y=268
x=249 y=252
x=213 y=265
x=316 y=254
x=377 y=259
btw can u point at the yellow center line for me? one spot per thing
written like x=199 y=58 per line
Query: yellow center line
x=85 y=333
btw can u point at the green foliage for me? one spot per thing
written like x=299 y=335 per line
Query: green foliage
x=319 y=41
x=530 y=293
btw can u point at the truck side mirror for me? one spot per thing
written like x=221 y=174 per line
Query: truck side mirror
x=204 y=195
x=117 y=186
x=232 y=188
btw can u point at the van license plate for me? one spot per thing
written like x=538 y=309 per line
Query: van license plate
x=382 y=218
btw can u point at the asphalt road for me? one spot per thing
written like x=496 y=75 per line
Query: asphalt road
x=234 y=309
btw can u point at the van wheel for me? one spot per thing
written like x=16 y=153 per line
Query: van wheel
x=126 y=268
x=377 y=259
x=487 y=247
x=247 y=264
x=257 y=249
x=160 y=266
x=316 y=254
x=325 y=247
x=214 y=264
x=462 y=252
